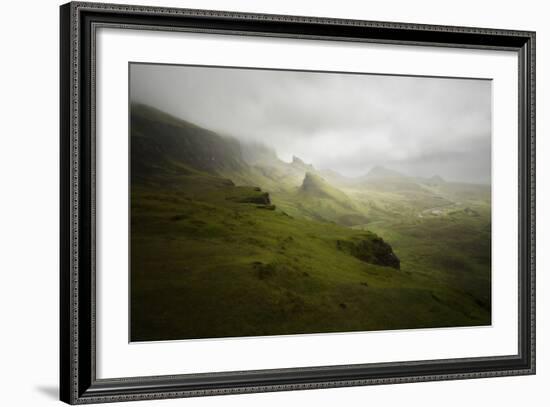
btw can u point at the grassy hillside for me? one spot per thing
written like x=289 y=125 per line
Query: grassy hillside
x=205 y=263
x=223 y=247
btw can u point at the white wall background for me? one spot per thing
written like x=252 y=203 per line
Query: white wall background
x=29 y=163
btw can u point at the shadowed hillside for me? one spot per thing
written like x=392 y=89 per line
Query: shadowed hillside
x=161 y=142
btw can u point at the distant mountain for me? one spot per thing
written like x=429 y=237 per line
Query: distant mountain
x=301 y=165
x=386 y=180
x=335 y=178
x=383 y=172
x=433 y=181
x=320 y=200
x=315 y=186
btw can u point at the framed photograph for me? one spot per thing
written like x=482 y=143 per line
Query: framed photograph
x=255 y=203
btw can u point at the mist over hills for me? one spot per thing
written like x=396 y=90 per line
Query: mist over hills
x=294 y=186
x=208 y=150
x=420 y=126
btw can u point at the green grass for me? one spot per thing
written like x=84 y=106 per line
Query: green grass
x=204 y=264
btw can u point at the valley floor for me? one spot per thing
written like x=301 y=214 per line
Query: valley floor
x=210 y=259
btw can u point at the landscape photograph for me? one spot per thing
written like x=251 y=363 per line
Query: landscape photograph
x=283 y=202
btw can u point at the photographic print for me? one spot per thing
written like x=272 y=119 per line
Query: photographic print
x=276 y=202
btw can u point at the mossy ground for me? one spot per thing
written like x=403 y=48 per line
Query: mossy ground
x=205 y=264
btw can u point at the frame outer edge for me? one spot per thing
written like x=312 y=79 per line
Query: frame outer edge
x=70 y=159
x=64 y=198
x=70 y=373
x=174 y=11
x=533 y=194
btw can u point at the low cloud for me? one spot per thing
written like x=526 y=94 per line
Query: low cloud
x=344 y=122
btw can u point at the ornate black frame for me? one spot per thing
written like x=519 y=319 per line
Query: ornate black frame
x=78 y=382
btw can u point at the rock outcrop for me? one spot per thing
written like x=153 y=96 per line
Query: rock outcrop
x=370 y=249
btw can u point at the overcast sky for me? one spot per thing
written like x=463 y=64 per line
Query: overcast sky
x=344 y=122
